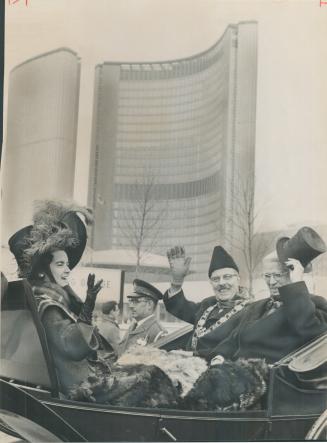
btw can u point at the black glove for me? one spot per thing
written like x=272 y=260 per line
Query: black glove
x=91 y=295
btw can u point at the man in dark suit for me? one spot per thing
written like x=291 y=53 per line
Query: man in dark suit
x=215 y=317
x=276 y=326
x=145 y=329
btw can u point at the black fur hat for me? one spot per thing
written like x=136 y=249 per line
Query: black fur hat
x=221 y=259
x=56 y=225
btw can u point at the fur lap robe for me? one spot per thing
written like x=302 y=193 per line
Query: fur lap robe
x=129 y=386
x=181 y=366
x=231 y=386
x=176 y=380
x=144 y=377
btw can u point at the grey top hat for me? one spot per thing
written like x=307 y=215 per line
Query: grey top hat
x=304 y=246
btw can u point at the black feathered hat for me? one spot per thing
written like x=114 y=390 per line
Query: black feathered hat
x=56 y=225
x=221 y=259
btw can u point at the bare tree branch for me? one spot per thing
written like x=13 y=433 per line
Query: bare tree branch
x=143 y=219
x=244 y=237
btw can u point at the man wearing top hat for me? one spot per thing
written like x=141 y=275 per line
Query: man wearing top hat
x=145 y=329
x=215 y=317
x=291 y=317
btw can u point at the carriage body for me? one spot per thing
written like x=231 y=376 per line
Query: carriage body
x=295 y=399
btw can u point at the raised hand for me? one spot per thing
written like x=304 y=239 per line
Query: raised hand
x=93 y=288
x=91 y=295
x=296 y=270
x=179 y=264
x=217 y=360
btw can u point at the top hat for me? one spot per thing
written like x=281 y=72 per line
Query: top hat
x=144 y=289
x=221 y=259
x=304 y=246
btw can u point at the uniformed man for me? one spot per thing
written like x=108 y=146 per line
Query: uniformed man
x=144 y=329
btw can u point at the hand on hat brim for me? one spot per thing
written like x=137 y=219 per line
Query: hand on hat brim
x=296 y=270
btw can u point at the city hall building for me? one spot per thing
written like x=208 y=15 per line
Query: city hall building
x=171 y=141
x=39 y=160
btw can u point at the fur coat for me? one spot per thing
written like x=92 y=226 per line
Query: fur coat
x=73 y=344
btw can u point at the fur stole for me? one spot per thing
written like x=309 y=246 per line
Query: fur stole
x=50 y=294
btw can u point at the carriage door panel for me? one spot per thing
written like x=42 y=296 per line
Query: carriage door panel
x=192 y=428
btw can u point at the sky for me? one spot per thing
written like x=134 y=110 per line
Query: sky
x=291 y=127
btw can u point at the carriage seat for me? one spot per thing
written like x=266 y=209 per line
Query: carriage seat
x=175 y=340
x=24 y=353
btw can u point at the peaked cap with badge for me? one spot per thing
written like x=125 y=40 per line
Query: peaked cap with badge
x=144 y=289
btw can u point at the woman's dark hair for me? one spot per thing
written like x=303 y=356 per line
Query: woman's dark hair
x=108 y=307
x=41 y=266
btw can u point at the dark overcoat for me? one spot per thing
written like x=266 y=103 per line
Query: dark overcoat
x=191 y=312
x=273 y=334
x=256 y=332
x=73 y=344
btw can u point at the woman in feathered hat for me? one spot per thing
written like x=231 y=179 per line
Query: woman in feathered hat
x=45 y=253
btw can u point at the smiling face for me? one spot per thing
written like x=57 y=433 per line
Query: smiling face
x=59 y=268
x=275 y=275
x=225 y=283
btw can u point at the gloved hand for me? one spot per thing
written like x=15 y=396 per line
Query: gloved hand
x=92 y=292
x=179 y=265
x=218 y=360
x=296 y=270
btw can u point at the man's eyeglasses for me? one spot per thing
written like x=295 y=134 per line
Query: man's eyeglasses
x=223 y=277
x=276 y=276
